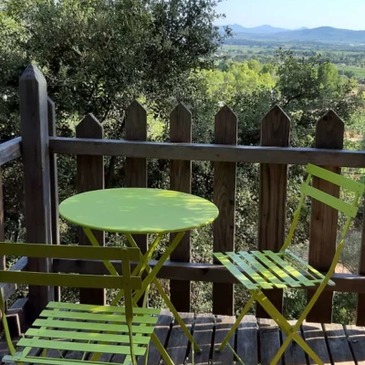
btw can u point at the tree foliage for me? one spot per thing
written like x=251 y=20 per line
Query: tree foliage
x=308 y=87
x=98 y=55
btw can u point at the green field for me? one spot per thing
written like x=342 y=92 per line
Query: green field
x=350 y=60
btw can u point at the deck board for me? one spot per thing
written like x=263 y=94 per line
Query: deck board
x=356 y=340
x=294 y=355
x=338 y=344
x=247 y=340
x=222 y=326
x=178 y=345
x=256 y=341
x=203 y=333
x=162 y=331
x=314 y=336
x=269 y=340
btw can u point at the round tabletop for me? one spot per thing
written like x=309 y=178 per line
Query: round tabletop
x=138 y=210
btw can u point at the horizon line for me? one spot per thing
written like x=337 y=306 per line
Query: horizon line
x=291 y=29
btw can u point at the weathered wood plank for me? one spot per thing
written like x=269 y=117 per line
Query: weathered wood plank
x=356 y=340
x=346 y=344
x=269 y=340
x=10 y=150
x=136 y=167
x=323 y=228
x=247 y=336
x=338 y=344
x=314 y=336
x=20 y=310
x=225 y=356
x=224 y=196
x=294 y=355
x=202 y=272
x=53 y=175
x=162 y=331
x=178 y=345
x=275 y=129
x=53 y=172
x=34 y=124
x=9 y=288
x=180 y=180
x=90 y=176
x=203 y=334
x=208 y=152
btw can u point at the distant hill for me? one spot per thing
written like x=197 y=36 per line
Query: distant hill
x=272 y=34
x=262 y=29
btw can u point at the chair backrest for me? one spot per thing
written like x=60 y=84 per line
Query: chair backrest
x=125 y=281
x=352 y=190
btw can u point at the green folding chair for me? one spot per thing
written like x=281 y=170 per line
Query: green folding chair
x=92 y=333
x=264 y=270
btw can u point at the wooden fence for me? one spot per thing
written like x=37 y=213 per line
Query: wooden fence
x=39 y=146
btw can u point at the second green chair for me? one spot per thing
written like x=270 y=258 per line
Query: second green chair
x=258 y=271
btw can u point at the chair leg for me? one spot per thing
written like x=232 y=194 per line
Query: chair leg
x=294 y=336
x=290 y=331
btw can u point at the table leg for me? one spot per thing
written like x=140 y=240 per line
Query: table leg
x=151 y=274
x=176 y=315
x=152 y=278
x=92 y=239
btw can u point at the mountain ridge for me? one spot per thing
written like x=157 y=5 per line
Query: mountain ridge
x=324 y=34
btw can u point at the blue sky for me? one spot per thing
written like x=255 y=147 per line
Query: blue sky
x=292 y=14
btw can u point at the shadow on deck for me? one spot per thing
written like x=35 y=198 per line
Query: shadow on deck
x=256 y=341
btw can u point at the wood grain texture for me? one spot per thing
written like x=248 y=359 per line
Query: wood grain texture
x=203 y=334
x=222 y=327
x=34 y=126
x=338 y=344
x=224 y=196
x=53 y=175
x=269 y=339
x=162 y=330
x=323 y=226
x=136 y=167
x=247 y=336
x=177 y=346
x=209 y=152
x=205 y=272
x=294 y=354
x=315 y=337
x=356 y=339
x=10 y=150
x=275 y=129
x=90 y=176
x=180 y=180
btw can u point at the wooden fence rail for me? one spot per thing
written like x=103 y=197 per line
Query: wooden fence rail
x=274 y=155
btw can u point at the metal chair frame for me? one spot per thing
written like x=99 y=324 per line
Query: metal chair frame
x=93 y=331
x=262 y=270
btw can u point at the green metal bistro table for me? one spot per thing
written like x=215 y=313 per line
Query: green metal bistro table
x=141 y=211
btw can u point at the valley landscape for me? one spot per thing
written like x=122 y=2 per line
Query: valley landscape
x=343 y=47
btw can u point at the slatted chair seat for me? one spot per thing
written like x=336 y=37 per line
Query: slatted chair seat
x=74 y=333
x=86 y=329
x=271 y=270
x=263 y=270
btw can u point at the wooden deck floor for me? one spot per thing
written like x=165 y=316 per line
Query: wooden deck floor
x=256 y=341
